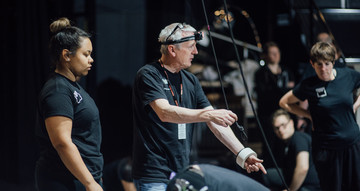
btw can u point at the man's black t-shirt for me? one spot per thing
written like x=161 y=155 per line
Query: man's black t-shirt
x=331 y=108
x=299 y=142
x=160 y=148
x=62 y=97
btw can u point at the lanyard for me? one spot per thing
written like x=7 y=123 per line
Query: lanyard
x=172 y=92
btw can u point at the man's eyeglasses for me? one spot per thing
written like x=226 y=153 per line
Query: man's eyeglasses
x=178 y=26
x=282 y=125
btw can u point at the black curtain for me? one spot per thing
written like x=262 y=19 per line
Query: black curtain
x=24 y=68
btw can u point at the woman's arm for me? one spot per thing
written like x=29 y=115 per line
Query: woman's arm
x=289 y=103
x=356 y=103
x=59 y=130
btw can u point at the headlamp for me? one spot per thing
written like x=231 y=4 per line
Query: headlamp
x=197 y=36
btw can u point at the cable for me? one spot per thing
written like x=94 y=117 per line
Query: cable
x=245 y=85
x=241 y=128
x=249 y=98
x=251 y=103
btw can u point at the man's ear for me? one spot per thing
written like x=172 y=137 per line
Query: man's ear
x=171 y=50
x=65 y=54
x=312 y=63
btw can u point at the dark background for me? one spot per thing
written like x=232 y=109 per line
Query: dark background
x=124 y=38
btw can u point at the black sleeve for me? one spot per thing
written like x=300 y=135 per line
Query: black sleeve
x=150 y=87
x=298 y=91
x=356 y=78
x=57 y=104
x=302 y=143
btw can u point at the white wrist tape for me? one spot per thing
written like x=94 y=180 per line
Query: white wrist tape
x=243 y=155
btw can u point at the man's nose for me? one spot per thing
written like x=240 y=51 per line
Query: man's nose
x=323 y=67
x=195 y=51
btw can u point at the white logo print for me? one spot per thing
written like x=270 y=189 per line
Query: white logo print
x=77 y=96
x=166 y=83
x=321 y=92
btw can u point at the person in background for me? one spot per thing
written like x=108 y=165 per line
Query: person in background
x=297 y=164
x=117 y=175
x=324 y=37
x=70 y=134
x=272 y=81
x=167 y=102
x=336 y=135
x=210 y=177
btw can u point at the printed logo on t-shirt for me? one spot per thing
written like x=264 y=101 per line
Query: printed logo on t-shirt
x=321 y=92
x=77 y=96
x=165 y=81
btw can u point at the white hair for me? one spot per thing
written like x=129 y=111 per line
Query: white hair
x=177 y=35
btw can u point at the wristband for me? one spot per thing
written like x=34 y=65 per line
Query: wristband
x=243 y=155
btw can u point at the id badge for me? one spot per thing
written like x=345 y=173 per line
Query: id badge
x=182 y=131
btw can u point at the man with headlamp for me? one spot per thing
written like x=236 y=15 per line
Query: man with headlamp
x=167 y=102
x=197 y=36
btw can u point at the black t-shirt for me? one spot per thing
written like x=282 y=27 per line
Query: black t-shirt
x=331 y=108
x=270 y=88
x=217 y=178
x=158 y=149
x=299 y=142
x=62 y=97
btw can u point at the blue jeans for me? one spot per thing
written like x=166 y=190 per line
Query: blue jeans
x=154 y=186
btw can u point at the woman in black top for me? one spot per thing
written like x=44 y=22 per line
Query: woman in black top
x=70 y=134
x=336 y=135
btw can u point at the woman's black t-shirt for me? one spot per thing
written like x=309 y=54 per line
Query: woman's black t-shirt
x=62 y=97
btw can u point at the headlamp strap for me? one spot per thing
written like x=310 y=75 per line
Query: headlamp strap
x=197 y=36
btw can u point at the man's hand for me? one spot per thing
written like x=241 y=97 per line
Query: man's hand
x=222 y=117
x=254 y=164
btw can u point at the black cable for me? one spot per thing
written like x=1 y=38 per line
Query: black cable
x=241 y=128
x=251 y=103
x=245 y=85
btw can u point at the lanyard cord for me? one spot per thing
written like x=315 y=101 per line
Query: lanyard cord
x=169 y=84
